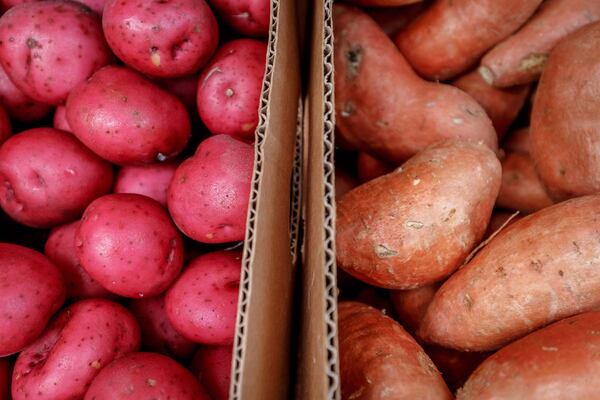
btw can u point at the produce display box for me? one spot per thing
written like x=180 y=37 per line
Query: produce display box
x=261 y=354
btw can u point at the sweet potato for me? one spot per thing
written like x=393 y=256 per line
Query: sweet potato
x=559 y=361
x=411 y=305
x=565 y=123
x=517 y=141
x=521 y=189
x=370 y=167
x=520 y=58
x=501 y=105
x=539 y=269
x=394 y=241
x=373 y=81
x=212 y=366
x=17 y=104
x=393 y=19
x=449 y=37
x=378 y=359
x=499 y=218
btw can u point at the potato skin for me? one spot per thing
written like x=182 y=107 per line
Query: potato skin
x=49 y=47
x=451 y=35
x=212 y=366
x=129 y=245
x=378 y=359
x=32 y=290
x=151 y=180
x=520 y=58
x=17 y=104
x=373 y=81
x=161 y=38
x=60 y=248
x=559 y=361
x=539 y=269
x=47 y=177
x=121 y=116
x=209 y=194
x=145 y=376
x=78 y=343
x=202 y=303
x=249 y=17
x=521 y=187
x=158 y=334
x=422 y=236
x=230 y=86
x=565 y=124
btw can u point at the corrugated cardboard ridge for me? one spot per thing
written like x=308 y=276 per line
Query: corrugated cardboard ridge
x=297 y=177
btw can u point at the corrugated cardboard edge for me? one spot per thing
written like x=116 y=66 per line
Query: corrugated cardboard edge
x=262 y=339
x=297 y=179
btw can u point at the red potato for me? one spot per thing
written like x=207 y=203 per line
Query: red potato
x=209 y=194
x=129 y=245
x=539 y=269
x=184 y=88
x=121 y=116
x=212 y=366
x=230 y=87
x=249 y=17
x=151 y=180
x=161 y=38
x=557 y=362
x=393 y=19
x=47 y=177
x=411 y=305
x=517 y=141
x=5 y=126
x=49 y=47
x=95 y=5
x=450 y=36
x=145 y=376
x=61 y=250
x=521 y=188
x=565 y=124
x=202 y=303
x=17 y=104
x=373 y=81
x=31 y=291
x=501 y=105
x=79 y=342
x=521 y=57
x=59 y=121
x=378 y=359
x=402 y=242
x=370 y=167
x=344 y=182
x=158 y=334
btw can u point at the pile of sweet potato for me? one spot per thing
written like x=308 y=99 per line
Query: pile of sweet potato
x=126 y=158
x=468 y=208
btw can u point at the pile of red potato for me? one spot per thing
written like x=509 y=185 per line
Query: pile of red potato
x=126 y=133
x=468 y=209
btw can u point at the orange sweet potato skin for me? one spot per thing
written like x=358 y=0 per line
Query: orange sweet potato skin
x=416 y=225
x=557 y=362
x=520 y=58
x=539 y=269
x=565 y=123
x=373 y=82
x=411 y=305
x=501 y=105
x=370 y=167
x=451 y=35
x=521 y=188
x=379 y=360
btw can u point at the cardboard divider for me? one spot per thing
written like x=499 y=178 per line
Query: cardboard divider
x=318 y=368
x=261 y=359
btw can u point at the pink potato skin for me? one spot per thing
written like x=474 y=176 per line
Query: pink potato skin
x=202 y=303
x=49 y=47
x=161 y=38
x=157 y=332
x=17 y=104
x=145 y=376
x=47 y=177
x=96 y=5
x=229 y=89
x=79 y=342
x=212 y=366
x=60 y=119
x=129 y=245
x=5 y=127
x=126 y=119
x=249 y=17
x=149 y=180
x=31 y=290
x=209 y=194
x=61 y=250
